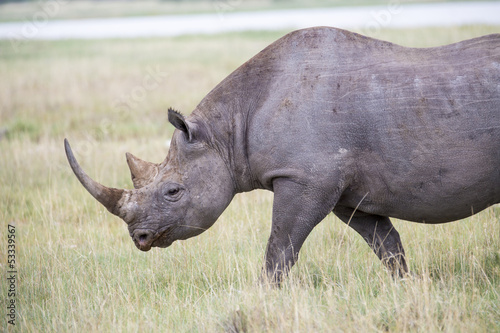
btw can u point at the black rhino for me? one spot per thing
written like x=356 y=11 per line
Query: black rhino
x=330 y=121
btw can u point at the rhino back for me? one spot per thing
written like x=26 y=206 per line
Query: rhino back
x=397 y=129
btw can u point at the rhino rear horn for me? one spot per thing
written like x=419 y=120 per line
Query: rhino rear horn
x=108 y=197
x=142 y=172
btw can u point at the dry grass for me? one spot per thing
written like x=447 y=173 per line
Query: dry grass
x=79 y=270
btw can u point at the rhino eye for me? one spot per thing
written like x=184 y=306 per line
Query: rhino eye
x=172 y=192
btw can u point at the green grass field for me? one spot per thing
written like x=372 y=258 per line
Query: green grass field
x=78 y=269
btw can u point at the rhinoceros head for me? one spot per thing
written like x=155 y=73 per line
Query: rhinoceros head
x=176 y=199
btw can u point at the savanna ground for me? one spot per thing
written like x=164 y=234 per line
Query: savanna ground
x=78 y=269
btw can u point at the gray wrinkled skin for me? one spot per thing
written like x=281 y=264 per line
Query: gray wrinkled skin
x=329 y=120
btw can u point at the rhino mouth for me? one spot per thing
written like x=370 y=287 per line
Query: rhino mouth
x=145 y=239
x=164 y=238
x=162 y=244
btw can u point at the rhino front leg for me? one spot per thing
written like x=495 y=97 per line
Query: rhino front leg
x=297 y=209
x=381 y=236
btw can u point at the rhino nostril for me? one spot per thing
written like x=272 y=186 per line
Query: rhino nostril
x=143 y=237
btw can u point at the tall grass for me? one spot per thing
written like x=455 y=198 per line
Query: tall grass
x=79 y=270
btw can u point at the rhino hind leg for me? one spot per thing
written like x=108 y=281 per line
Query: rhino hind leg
x=381 y=236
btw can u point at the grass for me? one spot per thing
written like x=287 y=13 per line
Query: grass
x=79 y=270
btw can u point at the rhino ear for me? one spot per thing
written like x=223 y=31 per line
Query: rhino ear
x=179 y=122
x=142 y=172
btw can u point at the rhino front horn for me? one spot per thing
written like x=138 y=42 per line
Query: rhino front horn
x=108 y=197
